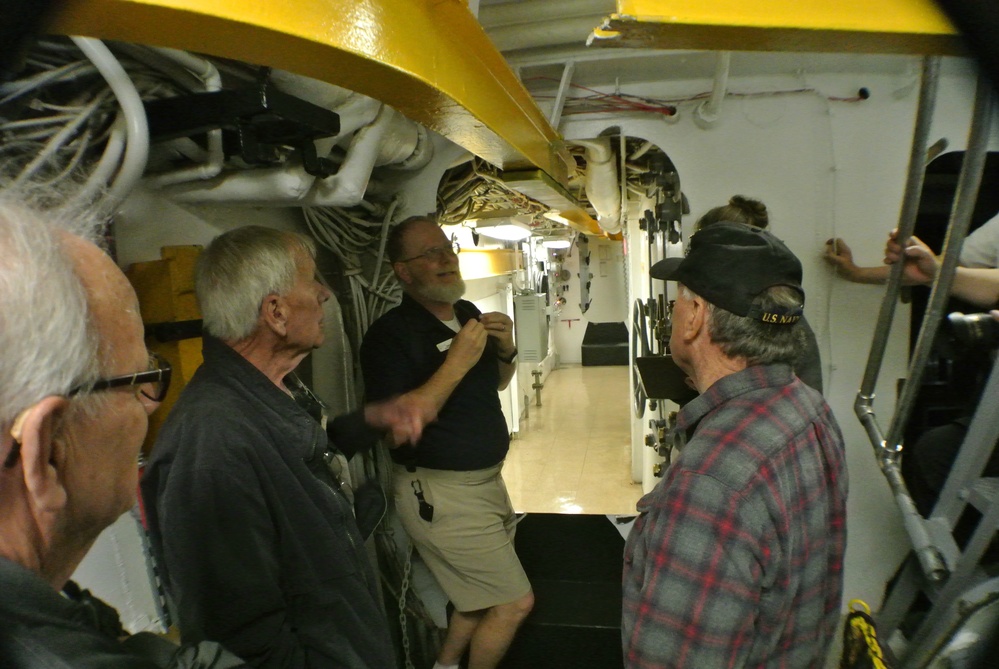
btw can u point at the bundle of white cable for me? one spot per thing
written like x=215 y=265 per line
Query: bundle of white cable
x=351 y=239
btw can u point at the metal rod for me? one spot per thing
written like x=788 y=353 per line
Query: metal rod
x=907 y=222
x=976 y=450
x=889 y=449
x=563 y=91
x=926 y=641
x=960 y=219
x=537 y=385
x=930 y=561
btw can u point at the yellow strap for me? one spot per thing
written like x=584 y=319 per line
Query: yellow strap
x=867 y=630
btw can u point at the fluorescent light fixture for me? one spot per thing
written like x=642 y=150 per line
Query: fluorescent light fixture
x=556 y=243
x=507 y=232
x=506 y=228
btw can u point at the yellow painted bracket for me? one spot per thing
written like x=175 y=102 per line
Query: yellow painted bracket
x=429 y=59
x=165 y=289
x=854 y=26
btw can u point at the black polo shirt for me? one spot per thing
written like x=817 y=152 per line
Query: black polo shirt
x=401 y=351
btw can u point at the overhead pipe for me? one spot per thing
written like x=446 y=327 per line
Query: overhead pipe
x=406 y=144
x=374 y=134
x=291 y=185
x=708 y=112
x=284 y=185
x=555 y=118
x=211 y=80
x=346 y=188
x=603 y=188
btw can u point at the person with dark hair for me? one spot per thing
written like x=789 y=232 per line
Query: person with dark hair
x=736 y=557
x=249 y=517
x=449 y=491
x=742 y=209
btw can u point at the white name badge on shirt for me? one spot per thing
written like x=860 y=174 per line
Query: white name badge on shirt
x=444 y=345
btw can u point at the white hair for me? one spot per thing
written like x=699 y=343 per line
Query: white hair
x=238 y=270
x=48 y=344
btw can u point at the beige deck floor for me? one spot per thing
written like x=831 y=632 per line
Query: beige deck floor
x=573 y=453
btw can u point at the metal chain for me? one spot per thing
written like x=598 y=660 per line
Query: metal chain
x=403 y=590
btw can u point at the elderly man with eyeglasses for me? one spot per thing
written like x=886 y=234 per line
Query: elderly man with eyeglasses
x=256 y=536
x=76 y=390
x=449 y=493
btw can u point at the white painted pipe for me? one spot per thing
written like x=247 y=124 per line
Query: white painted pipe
x=708 y=112
x=378 y=135
x=274 y=186
x=603 y=188
x=212 y=82
x=406 y=145
x=311 y=90
x=346 y=188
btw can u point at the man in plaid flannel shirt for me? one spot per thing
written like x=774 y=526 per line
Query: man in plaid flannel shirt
x=737 y=557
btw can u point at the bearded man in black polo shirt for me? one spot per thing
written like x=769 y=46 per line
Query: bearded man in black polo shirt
x=445 y=354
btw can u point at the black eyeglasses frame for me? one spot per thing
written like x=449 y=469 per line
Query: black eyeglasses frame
x=454 y=248
x=161 y=374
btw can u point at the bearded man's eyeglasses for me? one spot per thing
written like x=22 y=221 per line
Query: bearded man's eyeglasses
x=437 y=253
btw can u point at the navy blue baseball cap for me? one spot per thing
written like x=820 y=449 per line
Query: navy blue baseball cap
x=730 y=264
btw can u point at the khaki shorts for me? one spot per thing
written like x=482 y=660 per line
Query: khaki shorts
x=468 y=545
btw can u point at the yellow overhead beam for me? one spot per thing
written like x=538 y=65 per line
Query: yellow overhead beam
x=856 y=26
x=429 y=59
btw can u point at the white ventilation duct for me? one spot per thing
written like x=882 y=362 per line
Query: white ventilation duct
x=286 y=185
x=346 y=188
x=603 y=188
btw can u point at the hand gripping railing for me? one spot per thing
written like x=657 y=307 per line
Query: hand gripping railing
x=888 y=449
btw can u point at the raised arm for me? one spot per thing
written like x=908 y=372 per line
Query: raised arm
x=839 y=255
x=978 y=286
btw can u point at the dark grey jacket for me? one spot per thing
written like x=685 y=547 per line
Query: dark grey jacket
x=41 y=629
x=258 y=553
